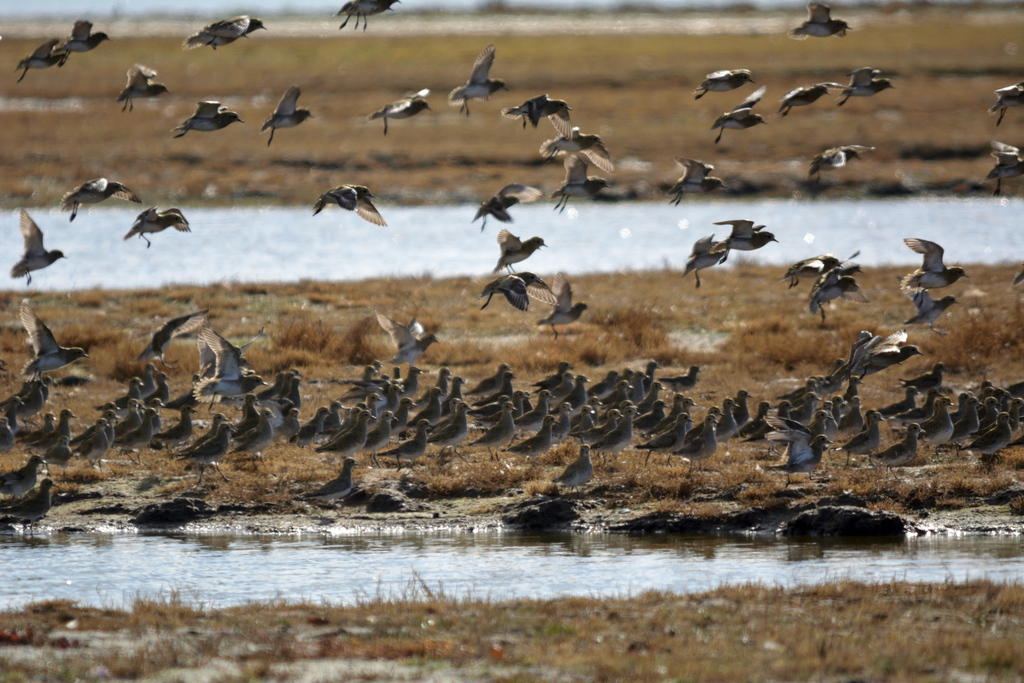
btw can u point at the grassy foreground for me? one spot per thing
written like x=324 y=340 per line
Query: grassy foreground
x=743 y=327
x=837 y=632
x=62 y=126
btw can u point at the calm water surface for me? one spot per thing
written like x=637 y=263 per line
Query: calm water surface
x=107 y=569
x=289 y=244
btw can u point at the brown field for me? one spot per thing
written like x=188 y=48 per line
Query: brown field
x=62 y=125
x=743 y=327
x=838 y=632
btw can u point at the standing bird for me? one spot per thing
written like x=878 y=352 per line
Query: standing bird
x=589 y=146
x=82 y=38
x=351 y=198
x=20 y=481
x=933 y=273
x=362 y=9
x=702 y=256
x=1010 y=96
x=864 y=82
x=805 y=95
x=151 y=220
x=48 y=355
x=175 y=327
x=43 y=57
x=516 y=288
x=803 y=450
x=1009 y=164
x=723 y=81
x=564 y=311
x=695 y=179
x=576 y=183
x=209 y=451
x=94 y=192
x=405 y=108
x=209 y=115
x=508 y=196
x=339 y=487
x=513 y=250
x=35 y=255
x=479 y=86
x=819 y=24
x=140 y=84
x=223 y=32
x=833 y=158
x=867 y=440
x=532 y=109
x=745 y=236
x=928 y=309
x=35 y=507
x=578 y=473
x=902 y=452
x=742 y=115
x=410 y=348
x=286 y=115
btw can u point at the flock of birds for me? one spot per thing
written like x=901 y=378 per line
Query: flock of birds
x=604 y=418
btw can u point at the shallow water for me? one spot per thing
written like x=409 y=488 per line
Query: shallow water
x=101 y=569
x=289 y=244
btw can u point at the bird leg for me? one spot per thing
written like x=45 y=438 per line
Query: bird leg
x=999 y=185
x=344 y=22
x=272 y=129
x=555 y=331
x=385 y=125
x=26 y=71
x=1000 y=119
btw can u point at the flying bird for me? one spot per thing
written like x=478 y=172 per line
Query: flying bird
x=933 y=273
x=1009 y=164
x=35 y=256
x=410 y=347
x=176 y=327
x=577 y=183
x=479 y=86
x=48 y=354
x=151 y=220
x=94 y=192
x=864 y=82
x=140 y=84
x=703 y=256
x=362 y=9
x=723 y=81
x=559 y=297
x=695 y=179
x=589 y=146
x=516 y=288
x=43 y=57
x=351 y=198
x=287 y=115
x=833 y=158
x=407 y=107
x=208 y=116
x=742 y=116
x=820 y=24
x=507 y=197
x=533 y=109
x=223 y=32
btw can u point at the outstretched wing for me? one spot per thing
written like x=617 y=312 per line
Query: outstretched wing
x=39 y=335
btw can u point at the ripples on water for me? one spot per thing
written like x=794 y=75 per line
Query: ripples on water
x=99 y=569
x=289 y=244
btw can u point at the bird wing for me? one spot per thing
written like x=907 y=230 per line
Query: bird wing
x=752 y=99
x=229 y=28
x=562 y=291
x=39 y=335
x=1005 y=154
x=515 y=292
x=891 y=344
x=400 y=334
x=31 y=233
x=702 y=246
x=207 y=109
x=286 y=107
x=346 y=196
x=368 y=212
x=44 y=50
x=862 y=76
x=560 y=120
x=714 y=75
x=139 y=75
x=740 y=228
x=851 y=292
x=81 y=30
x=794 y=92
x=923 y=301
x=932 y=253
x=177 y=327
x=508 y=242
x=523 y=193
x=818 y=13
x=575 y=170
x=692 y=168
x=125 y=193
x=482 y=65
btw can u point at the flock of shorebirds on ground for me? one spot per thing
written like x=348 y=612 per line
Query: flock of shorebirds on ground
x=604 y=418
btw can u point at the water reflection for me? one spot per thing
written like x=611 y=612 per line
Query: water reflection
x=104 y=569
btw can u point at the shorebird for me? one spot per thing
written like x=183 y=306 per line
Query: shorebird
x=1009 y=164
x=479 y=86
x=534 y=108
x=806 y=94
x=933 y=273
x=867 y=440
x=48 y=355
x=501 y=433
x=994 y=440
x=454 y=432
x=589 y=146
x=35 y=256
x=410 y=346
x=339 y=487
x=803 y=449
x=681 y=383
x=179 y=433
x=576 y=183
x=227 y=379
x=35 y=507
x=702 y=256
x=833 y=158
x=516 y=288
x=93 y=192
x=819 y=24
x=670 y=439
x=903 y=452
x=723 y=81
x=287 y=115
x=140 y=84
x=408 y=106
x=173 y=328
x=938 y=429
x=695 y=178
x=363 y=9
x=864 y=82
x=926 y=380
x=836 y=283
x=701 y=442
x=152 y=221
x=408 y=451
x=20 y=481
x=578 y=473
x=43 y=57
x=883 y=354
x=741 y=116
x=351 y=198
x=259 y=438
x=209 y=451
x=1010 y=96
x=508 y=196
x=82 y=38
x=812 y=267
x=513 y=250
x=209 y=115
x=745 y=236
x=539 y=443
x=223 y=32
x=489 y=384
x=560 y=299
